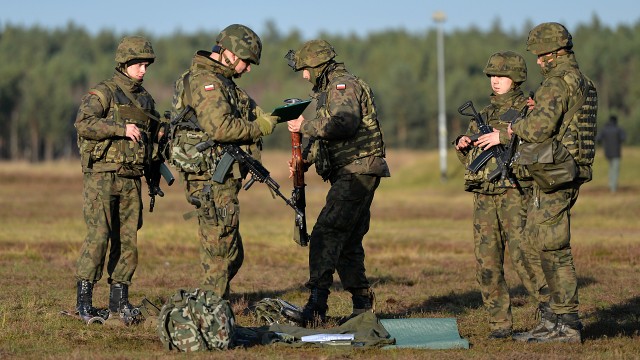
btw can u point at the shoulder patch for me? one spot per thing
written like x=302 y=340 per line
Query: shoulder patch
x=341 y=86
x=209 y=87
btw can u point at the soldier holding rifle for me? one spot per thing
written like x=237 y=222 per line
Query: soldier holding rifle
x=347 y=149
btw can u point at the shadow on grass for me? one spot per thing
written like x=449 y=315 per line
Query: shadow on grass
x=457 y=304
x=617 y=320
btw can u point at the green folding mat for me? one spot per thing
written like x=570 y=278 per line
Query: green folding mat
x=425 y=333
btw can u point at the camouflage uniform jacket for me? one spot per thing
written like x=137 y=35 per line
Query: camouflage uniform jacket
x=498 y=116
x=559 y=91
x=101 y=125
x=224 y=111
x=346 y=124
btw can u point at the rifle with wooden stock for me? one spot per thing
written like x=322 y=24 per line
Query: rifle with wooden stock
x=300 y=235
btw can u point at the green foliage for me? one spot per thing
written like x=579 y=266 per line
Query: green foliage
x=45 y=73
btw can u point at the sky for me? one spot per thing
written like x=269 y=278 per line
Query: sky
x=312 y=18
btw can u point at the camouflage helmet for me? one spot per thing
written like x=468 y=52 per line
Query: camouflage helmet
x=548 y=37
x=133 y=48
x=241 y=41
x=509 y=64
x=312 y=53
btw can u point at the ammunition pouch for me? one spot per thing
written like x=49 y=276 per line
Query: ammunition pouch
x=549 y=163
x=186 y=157
x=129 y=171
x=322 y=159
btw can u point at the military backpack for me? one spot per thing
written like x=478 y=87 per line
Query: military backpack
x=196 y=321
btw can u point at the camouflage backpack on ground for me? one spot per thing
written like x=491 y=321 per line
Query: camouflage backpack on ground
x=196 y=321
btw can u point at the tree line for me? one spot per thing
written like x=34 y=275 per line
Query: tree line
x=44 y=73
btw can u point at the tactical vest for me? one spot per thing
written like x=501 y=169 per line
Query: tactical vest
x=366 y=142
x=480 y=179
x=186 y=134
x=122 y=150
x=578 y=130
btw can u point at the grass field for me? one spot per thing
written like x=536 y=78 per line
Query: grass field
x=419 y=257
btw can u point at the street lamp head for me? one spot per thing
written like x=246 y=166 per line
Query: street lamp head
x=439 y=16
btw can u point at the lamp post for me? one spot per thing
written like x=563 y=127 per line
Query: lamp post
x=439 y=17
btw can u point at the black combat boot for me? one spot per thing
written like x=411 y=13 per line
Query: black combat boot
x=568 y=329
x=547 y=324
x=84 y=302
x=363 y=300
x=314 y=312
x=119 y=303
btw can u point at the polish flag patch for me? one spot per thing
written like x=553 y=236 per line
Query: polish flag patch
x=209 y=87
x=341 y=86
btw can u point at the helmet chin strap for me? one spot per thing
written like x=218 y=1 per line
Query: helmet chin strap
x=231 y=65
x=316 y=73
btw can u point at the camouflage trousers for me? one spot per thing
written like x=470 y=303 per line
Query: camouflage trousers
x=221 y=250
x=498 y=224
x=113 y=213
x=336 y=239
x=549 y=234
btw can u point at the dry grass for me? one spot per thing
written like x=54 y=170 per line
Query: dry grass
x=419 y=256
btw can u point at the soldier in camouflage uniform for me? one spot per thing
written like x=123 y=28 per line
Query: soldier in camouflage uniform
x=565 y=115
x=499 y=206
x=226 y=114
x=117 y=124
x=348 y=151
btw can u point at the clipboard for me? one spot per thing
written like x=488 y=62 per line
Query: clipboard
x=290 y=111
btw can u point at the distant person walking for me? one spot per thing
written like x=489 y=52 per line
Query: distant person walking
x=611 y=137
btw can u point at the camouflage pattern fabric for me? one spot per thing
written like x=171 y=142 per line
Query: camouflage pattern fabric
x=548 y=224
x=499 y=217
x=509 y=64
x=196 y=320
x=345 y=105
x=227 y=114
x=113 y=212
x=134 y=47
x=112 y=203
x=548 y=234
x=346 y=120
x=478 y=182
x=101 y=122
x=311 y=54
x=221 y=249
x=242 y=41
x=498 y=224
x=548 y=37
x=224 y=110
x=270 y=311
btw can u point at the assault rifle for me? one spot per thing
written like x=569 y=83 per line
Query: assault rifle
x=234 y=153
x=510 y=155
x=300 y=234
x=496 y=151
x=154 y=169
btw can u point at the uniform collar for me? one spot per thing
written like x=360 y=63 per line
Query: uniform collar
x=203 y=60
x=506 y=99
x=125 y=82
